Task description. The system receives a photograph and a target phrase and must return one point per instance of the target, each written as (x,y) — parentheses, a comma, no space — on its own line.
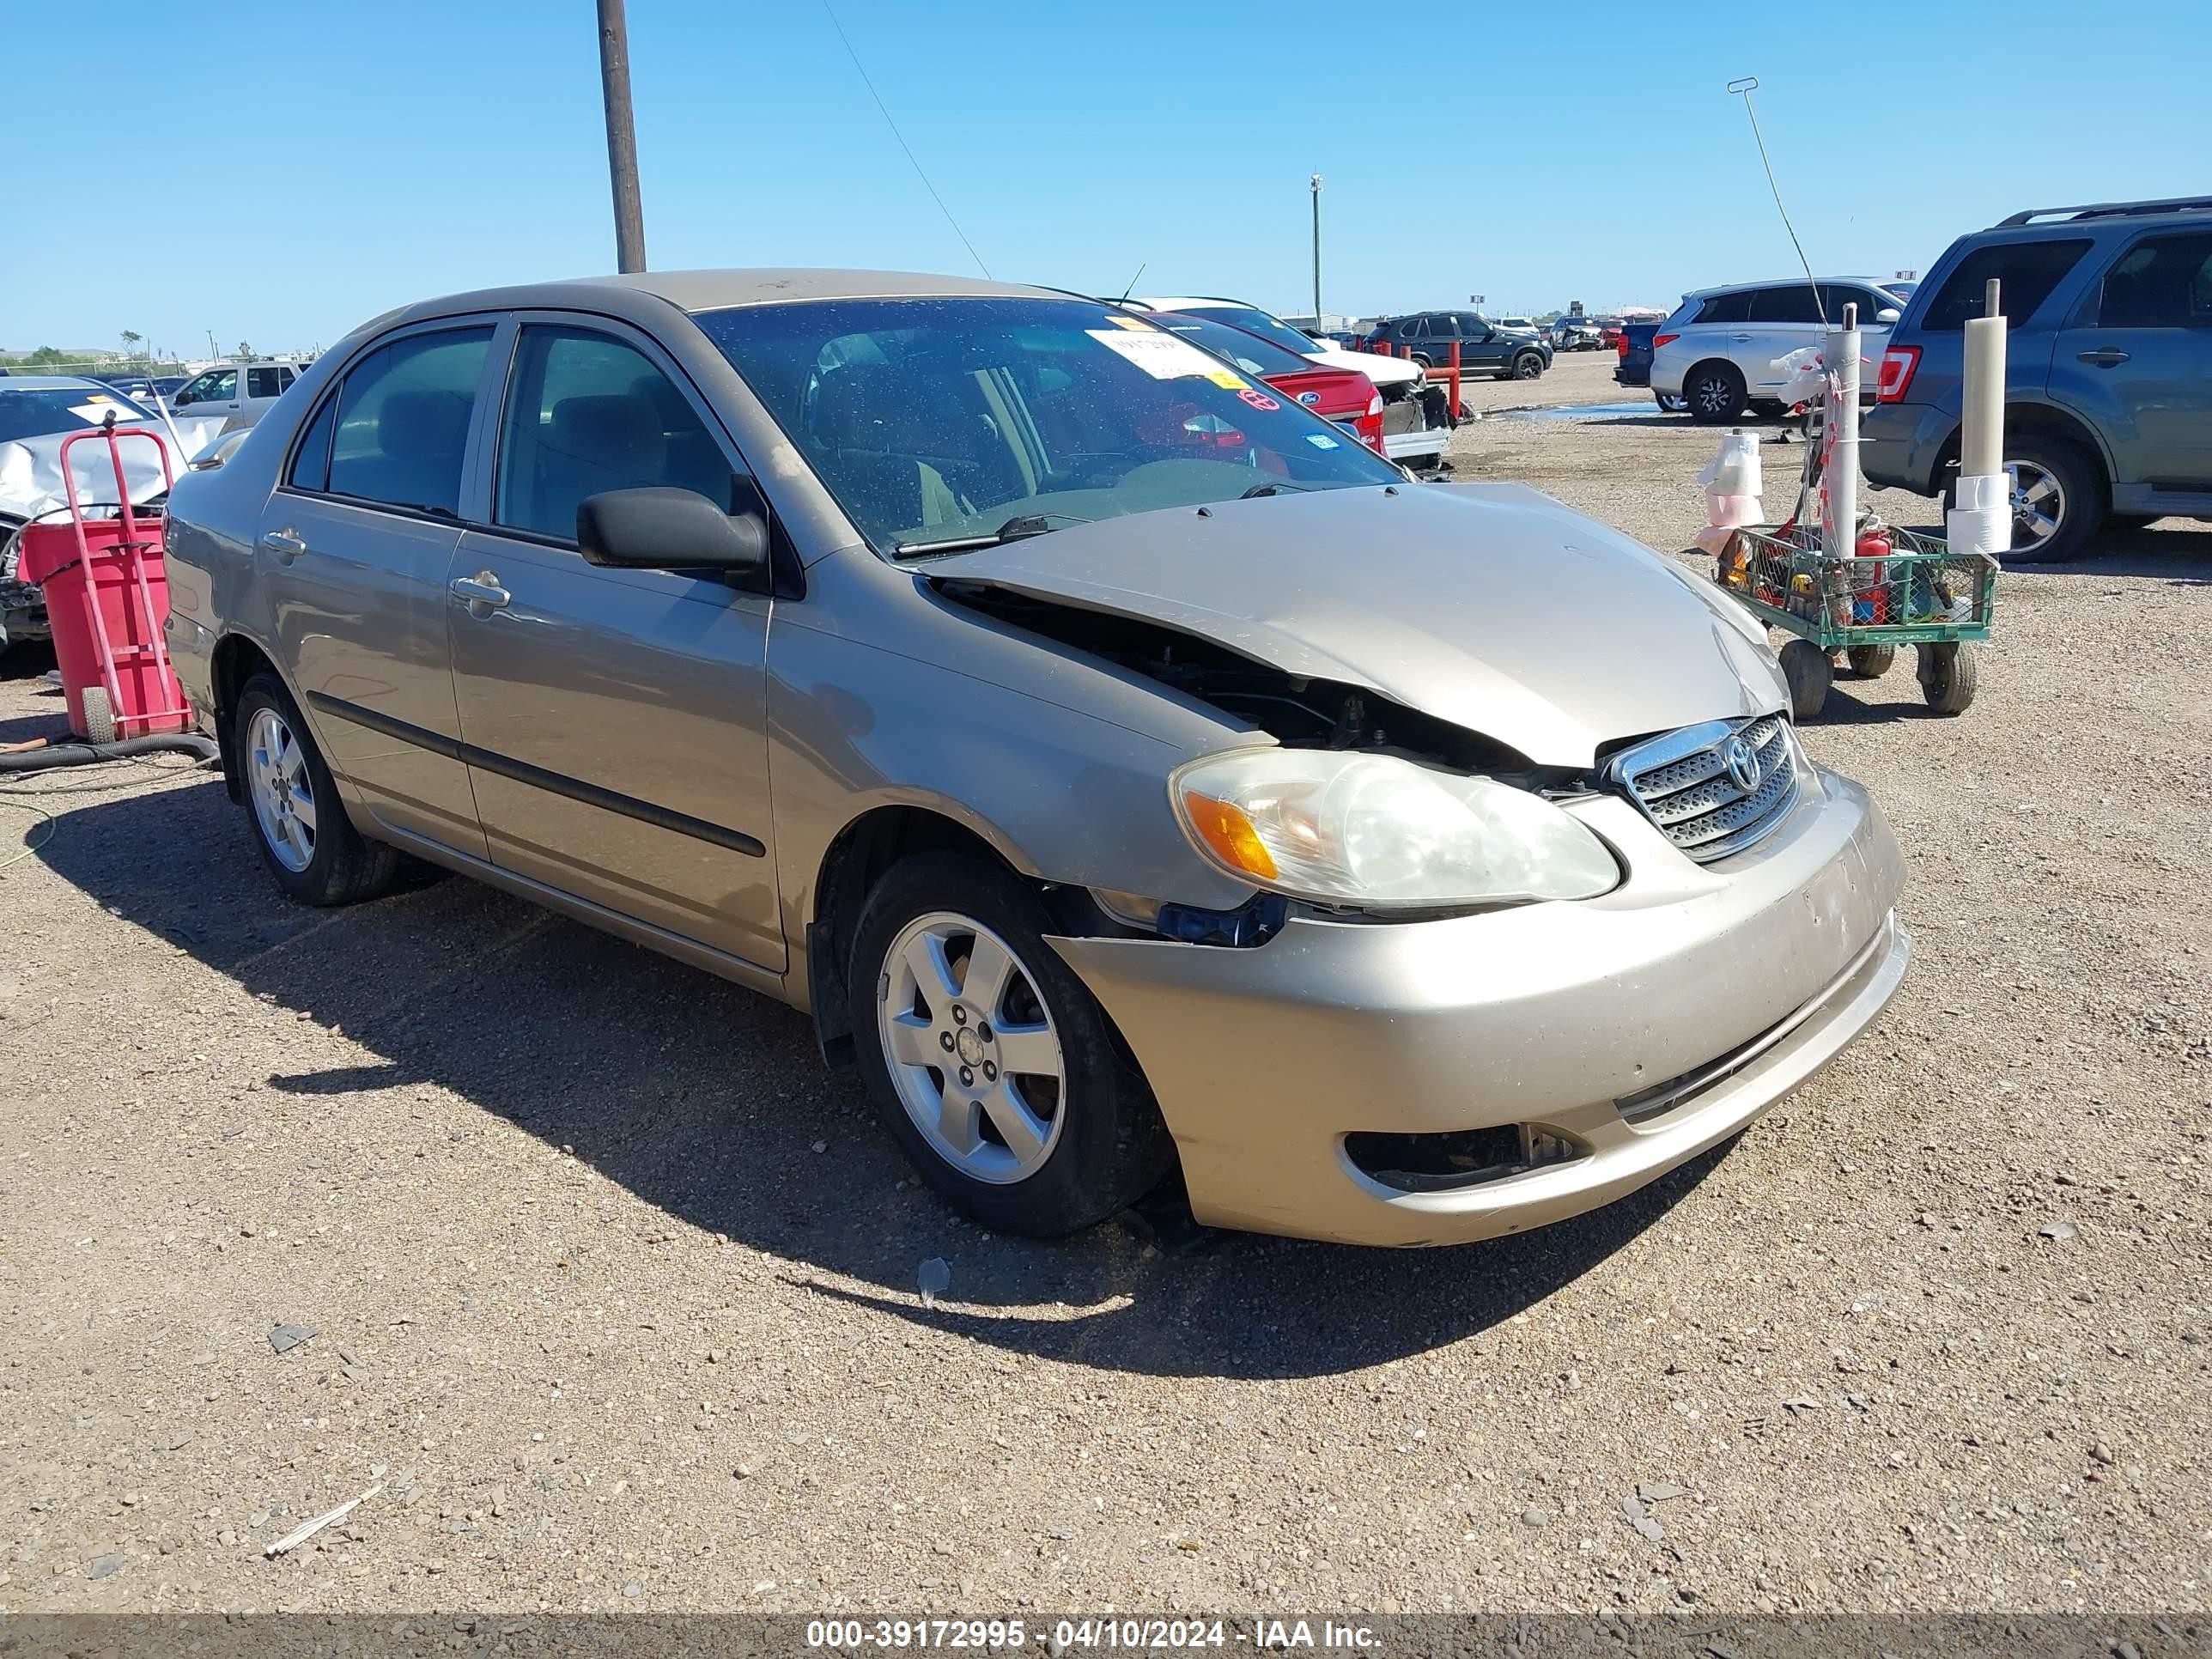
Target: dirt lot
(617,1286)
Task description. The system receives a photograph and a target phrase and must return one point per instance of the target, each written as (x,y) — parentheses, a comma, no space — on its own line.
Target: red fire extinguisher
(1872,605)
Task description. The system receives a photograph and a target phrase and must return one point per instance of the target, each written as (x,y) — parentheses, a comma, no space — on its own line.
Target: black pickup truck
(1634,369)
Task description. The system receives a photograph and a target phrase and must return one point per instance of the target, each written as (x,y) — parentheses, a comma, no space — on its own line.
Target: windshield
(34,411)
(1252,320)
(1247,351)
(939,421)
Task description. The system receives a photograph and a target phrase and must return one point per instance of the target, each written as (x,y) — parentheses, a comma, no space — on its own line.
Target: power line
(903,145)
(1743,89)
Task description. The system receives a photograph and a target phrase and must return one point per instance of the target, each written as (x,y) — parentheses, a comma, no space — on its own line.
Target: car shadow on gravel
(708,1102)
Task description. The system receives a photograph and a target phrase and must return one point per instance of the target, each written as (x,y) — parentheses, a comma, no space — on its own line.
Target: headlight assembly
(1378,833)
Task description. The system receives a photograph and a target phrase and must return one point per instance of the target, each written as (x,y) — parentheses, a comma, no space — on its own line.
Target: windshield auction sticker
(1160,355)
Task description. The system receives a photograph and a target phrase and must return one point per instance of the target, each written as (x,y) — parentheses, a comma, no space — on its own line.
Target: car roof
(1197,303)
(1779,281)
(716,290)
(52,383)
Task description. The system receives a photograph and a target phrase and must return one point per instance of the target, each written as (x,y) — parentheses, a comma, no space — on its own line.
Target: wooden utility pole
(622,137)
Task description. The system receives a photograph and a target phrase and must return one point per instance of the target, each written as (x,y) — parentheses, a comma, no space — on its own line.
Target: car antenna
(1743,89)
(1132,283)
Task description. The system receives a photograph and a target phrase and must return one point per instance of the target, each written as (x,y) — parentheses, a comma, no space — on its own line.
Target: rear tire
(1948,673)
(316,854)
(2058,499)
(1715,392)
(1807,667)
(1871,662)
(1086,1147)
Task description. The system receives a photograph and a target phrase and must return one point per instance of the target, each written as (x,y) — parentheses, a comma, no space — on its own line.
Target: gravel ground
(616,1287)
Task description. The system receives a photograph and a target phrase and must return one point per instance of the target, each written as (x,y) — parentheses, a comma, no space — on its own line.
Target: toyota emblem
(1742,763)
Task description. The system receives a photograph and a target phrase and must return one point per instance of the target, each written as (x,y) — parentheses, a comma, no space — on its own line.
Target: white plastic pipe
(1981,428)
(1840,524)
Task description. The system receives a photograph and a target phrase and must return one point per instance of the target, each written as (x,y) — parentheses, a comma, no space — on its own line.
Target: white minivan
(241,392)
(1722,350)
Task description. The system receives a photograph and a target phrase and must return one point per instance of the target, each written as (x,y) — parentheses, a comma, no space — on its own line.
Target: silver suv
(1122,764)
(1722,352)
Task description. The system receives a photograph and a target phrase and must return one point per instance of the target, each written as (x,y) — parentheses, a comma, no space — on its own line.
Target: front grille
(1685,783)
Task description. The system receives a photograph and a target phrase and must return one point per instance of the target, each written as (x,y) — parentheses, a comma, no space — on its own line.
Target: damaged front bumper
(1608,1041)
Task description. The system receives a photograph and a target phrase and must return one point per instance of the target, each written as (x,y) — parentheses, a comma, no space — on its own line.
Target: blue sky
(318,163)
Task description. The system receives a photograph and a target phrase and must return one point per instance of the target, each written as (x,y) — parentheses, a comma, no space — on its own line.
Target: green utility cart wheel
(1948,674)
(1806,666)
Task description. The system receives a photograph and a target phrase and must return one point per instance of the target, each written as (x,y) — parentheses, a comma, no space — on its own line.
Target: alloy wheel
(282,791)
(2039,503)
(971,1048)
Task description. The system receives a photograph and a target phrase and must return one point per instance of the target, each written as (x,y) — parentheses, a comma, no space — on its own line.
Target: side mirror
(1888,314)
(182,398)
(662,529)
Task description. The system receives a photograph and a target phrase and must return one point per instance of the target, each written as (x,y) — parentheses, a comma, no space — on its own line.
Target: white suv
(1722,350)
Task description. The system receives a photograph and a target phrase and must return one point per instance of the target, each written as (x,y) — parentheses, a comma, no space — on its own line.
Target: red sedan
(1343,395)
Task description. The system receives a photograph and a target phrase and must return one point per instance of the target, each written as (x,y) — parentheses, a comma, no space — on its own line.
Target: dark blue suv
(2108,370)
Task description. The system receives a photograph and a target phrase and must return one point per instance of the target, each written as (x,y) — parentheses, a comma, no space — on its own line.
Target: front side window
(946,421)
(2025,274)
(402,429)
(216,386)
(587,413)
(2162,281)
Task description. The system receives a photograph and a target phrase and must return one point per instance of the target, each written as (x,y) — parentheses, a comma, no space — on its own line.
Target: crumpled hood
(1489,606)
(31,468)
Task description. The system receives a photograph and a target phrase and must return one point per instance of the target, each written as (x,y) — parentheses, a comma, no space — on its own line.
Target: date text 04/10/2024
(1069,1635)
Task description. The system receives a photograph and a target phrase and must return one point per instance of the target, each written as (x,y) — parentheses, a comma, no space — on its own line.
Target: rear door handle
(2103,356)
(285,543)
(483,592)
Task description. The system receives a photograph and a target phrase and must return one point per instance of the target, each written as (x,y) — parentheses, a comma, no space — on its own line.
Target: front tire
(992,1065)
(299,823)
(1527,366)
(1714,394)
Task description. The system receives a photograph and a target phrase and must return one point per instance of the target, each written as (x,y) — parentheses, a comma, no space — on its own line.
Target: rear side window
(311,462)
(587,414)
(403,420)
(1718,308)
(1793,302)
(2028,271)
(2162,281)
(264,382)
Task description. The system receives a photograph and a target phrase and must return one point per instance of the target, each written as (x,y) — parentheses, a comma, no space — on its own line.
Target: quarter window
(588,414)
(2025,272)
(311,463)
(403,420)
(2162,281)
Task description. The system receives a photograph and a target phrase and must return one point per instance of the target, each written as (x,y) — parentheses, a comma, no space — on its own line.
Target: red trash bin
(107,599)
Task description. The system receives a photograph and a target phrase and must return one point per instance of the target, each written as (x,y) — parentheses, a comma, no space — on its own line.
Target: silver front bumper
(1264,1060)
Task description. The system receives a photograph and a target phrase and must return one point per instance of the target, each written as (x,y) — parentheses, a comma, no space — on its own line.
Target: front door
(354,549)
(614,720)
(2138,364)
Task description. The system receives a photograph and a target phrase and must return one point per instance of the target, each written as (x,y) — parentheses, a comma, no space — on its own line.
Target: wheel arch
(856,857)
(237,658)
(2042,420)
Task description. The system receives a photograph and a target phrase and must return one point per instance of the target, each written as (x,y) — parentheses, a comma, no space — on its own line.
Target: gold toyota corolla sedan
(1124,767)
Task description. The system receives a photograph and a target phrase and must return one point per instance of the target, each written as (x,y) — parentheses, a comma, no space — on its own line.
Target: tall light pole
(1316,218)
(622,137)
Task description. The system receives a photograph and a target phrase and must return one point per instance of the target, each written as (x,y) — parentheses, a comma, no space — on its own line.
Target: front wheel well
(863,850)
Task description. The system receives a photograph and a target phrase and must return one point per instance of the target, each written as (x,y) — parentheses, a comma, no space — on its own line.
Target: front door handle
(1740,339)
(2103,356)
(483,592)
(285,543)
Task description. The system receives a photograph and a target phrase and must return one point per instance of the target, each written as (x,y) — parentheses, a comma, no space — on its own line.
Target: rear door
(2137,359)
(1784,318)
(614,719)
(354,549)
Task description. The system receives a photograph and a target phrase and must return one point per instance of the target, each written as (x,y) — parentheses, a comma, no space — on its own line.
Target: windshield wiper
(1275,489)
(1018,528)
